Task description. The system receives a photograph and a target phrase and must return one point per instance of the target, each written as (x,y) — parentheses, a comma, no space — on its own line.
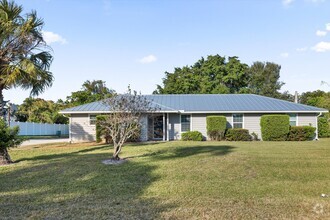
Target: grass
(175,180)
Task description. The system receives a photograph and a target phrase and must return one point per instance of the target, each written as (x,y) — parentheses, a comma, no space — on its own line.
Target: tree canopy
(91,91)
(25,58)
(217,74)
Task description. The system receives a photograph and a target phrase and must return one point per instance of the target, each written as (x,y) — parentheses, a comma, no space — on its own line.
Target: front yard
(175,180)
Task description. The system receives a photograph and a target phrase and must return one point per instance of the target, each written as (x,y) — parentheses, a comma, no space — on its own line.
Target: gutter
(317,126)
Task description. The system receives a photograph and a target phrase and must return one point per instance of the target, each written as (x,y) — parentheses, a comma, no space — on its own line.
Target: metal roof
(193,103)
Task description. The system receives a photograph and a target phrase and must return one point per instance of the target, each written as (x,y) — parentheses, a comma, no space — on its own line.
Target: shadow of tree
(184,151)
(77,185)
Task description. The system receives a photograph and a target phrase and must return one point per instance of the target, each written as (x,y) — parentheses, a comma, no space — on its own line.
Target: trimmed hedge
(323,126)
(301,133)
(238,134)
(275,127)
(216,127)
(192,136)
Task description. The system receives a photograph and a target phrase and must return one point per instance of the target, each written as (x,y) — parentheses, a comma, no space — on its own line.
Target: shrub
(274,127)
(101,133)
(323,126)
(192,136)
(301,133)
(216,127)
(238,134)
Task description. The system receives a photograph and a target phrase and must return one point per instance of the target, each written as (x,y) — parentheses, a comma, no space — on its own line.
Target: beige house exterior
(242,111)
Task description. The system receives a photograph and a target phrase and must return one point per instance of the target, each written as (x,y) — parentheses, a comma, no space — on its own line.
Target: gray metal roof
(209,103)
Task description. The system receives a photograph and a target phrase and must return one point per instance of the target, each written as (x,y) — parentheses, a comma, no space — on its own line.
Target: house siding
(307,119)
(80,129)
(252,123)
(174,127)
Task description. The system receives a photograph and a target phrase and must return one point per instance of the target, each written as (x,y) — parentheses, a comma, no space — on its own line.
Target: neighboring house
(181,113)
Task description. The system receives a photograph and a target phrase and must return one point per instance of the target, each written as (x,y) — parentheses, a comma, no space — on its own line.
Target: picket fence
(30,128)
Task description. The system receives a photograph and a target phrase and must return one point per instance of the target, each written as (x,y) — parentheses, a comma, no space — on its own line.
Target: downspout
(317,127)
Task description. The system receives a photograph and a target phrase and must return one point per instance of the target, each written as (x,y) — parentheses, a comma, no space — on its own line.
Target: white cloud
(322,47)
(302,49)
(284,55)
(148,59)
(287,2)
(321,33)
(327,26)
(51,37)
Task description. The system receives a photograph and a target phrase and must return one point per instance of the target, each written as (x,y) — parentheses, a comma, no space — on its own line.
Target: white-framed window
(237,120)
(185,123)
(293,119)
(92,119)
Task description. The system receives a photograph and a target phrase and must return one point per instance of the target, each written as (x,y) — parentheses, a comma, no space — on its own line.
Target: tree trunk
(4,157)
(116,152)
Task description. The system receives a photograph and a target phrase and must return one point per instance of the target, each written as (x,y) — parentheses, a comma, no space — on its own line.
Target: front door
(158,127)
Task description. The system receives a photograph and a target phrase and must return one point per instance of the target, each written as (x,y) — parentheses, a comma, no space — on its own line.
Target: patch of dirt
(114,162)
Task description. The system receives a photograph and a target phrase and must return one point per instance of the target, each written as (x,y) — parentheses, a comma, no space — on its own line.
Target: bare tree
(124,119)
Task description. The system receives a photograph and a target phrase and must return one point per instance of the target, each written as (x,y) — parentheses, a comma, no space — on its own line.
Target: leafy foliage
(301,133)
(41,111)
(274,127)
(264,79)
(238,134)
(216,127)
(316,98)
(192,136)
(323,126)
(8,138)
(217,74)
(24,56)
(91,91)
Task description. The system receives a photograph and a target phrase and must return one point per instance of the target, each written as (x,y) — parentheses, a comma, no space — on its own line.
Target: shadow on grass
(79,186)
(184,151)
(56,156)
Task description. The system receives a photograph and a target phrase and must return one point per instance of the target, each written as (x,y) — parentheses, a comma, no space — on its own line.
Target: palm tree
(25,58)
(24,55)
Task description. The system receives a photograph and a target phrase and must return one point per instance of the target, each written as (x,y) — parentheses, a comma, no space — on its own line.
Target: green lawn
(175,180)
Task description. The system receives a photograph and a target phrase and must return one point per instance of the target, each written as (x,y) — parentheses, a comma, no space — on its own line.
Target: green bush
(301,133)
(238,134)
(192,136)
(323,126)
(216,127)
(274,127)
(101,133)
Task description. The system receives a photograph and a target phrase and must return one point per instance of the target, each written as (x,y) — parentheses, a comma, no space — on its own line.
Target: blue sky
(135,42)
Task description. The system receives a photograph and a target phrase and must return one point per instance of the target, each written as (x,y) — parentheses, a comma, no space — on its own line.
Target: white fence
(30,128)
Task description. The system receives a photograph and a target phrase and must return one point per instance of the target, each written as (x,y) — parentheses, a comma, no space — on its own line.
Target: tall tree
(24,56)
(91,91)
(264,79)
(216,74)
(316,98)
(41,111)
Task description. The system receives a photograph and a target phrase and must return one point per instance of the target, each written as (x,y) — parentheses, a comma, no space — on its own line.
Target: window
(92,119)
(185,123)
(237,120)
(293,119)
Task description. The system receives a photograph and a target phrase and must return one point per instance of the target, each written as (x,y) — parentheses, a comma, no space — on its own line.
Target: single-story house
(188,112)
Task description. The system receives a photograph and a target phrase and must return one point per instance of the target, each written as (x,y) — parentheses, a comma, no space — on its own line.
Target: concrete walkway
(44,141)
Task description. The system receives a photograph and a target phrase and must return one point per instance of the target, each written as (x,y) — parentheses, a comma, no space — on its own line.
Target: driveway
(44,141)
